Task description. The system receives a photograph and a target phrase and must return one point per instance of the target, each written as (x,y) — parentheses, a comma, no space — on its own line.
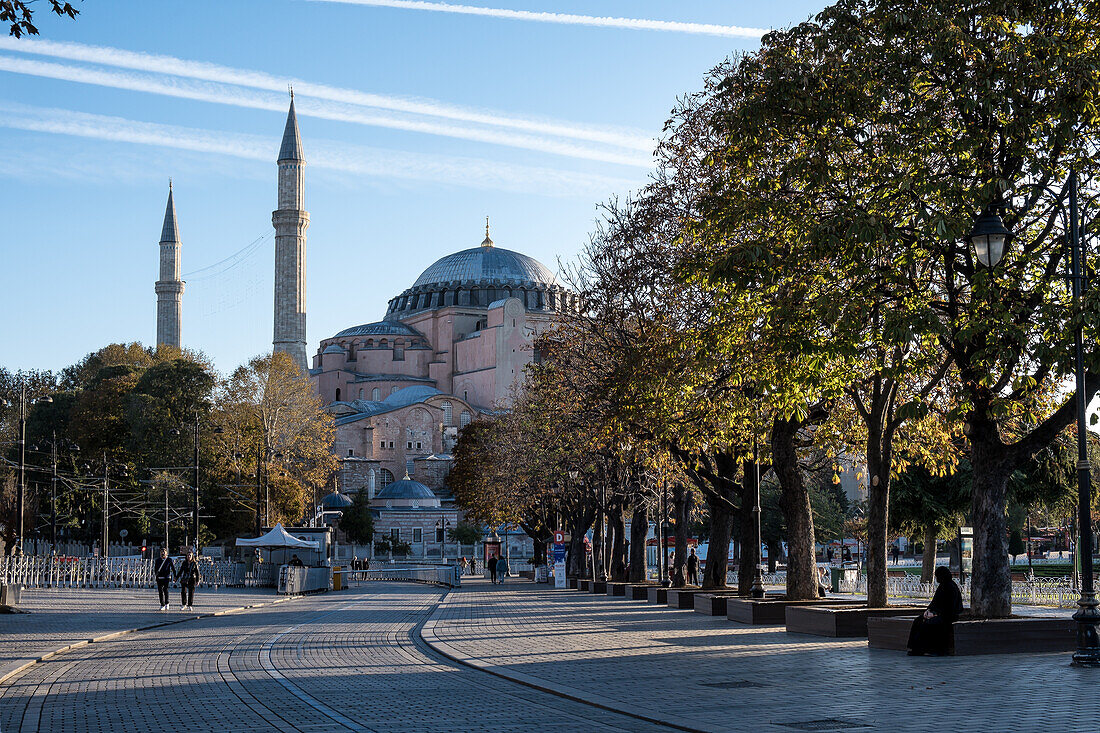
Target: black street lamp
(989,237)
(195,487)
(22,490)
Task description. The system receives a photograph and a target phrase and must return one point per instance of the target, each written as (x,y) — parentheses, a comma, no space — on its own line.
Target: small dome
(406,488)
(334,349)
(336,500)
(410,395)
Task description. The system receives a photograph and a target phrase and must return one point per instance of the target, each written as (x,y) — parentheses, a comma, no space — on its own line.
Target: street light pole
(757,590)
(1087,616)
(53,496)
(22,457)
(195,506)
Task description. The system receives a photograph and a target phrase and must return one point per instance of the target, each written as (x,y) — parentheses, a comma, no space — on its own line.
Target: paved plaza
(518,657)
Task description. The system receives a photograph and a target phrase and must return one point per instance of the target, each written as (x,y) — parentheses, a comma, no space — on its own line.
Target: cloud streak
(329,155)
(628,139)
(637,24)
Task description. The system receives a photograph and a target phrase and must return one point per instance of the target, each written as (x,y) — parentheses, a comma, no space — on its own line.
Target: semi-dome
(406,488)
(381,328)
(486,263)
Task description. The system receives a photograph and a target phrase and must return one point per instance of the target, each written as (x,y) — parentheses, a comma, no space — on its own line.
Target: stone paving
(717,675)
(62,616)
(338,661)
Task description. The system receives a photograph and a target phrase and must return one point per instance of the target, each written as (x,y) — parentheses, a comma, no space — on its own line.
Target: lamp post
(22,490)
(989,238)
(195,485)
(757,590)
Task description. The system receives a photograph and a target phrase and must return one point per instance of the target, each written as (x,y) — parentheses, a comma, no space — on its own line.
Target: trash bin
(337,578)
(834,579)
(540,574)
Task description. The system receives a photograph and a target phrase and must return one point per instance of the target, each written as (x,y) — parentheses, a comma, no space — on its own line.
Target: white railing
(448,575)
(777,578)
(1033,592)
(111,572)
(295,580)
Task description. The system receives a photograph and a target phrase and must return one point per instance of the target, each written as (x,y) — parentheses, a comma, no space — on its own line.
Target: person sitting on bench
(931,633)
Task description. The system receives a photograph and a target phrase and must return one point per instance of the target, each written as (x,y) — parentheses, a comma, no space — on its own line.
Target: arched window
(360,393)
(383,344)
(393,389)
(376,394)
(337,394)
(370,343)
(446,407)
(371,478)
(409,466)
(387,478)
(464,418)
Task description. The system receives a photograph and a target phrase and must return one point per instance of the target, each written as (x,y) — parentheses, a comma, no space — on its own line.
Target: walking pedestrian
(492,565)
(188,577)
(164,570)
(896,553)
(693,568)
(502,569)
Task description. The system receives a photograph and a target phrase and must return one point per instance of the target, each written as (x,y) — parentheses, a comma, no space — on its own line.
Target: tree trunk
(773,556)
(639,529)
(928,559)
(681,503)
(721,527)
(618,543)
(991,585)
(750,551)
(597,547)
(794,499)
(878,520)
(540,551)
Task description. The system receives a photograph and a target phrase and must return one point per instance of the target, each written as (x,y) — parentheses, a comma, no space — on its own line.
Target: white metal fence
(115,572)
(1033,592)
(448,575)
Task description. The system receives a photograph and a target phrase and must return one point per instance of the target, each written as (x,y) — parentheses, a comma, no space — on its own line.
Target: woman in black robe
(931,633)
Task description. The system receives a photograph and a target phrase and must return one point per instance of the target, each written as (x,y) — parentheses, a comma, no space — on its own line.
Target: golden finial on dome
(487,242)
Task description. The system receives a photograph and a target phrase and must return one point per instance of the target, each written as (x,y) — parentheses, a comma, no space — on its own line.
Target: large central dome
(486,263)
(477,277)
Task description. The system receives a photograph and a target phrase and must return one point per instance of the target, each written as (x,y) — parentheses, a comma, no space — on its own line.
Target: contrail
(108,56)
(636,24)
(237,97)
(331,155)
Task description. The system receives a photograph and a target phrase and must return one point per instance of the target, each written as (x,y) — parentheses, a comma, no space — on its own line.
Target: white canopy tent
(279,539)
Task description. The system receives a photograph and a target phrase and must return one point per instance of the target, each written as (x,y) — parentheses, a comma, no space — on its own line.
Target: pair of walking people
(498,568)
(187,574)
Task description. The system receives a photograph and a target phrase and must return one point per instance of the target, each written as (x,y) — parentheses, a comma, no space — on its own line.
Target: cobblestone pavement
(718,675)
(62,616)
(332,662)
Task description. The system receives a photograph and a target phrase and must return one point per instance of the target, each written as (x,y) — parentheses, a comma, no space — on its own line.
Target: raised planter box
(771,611)
(616,589)
(637,591)
(983,636)
(682,598)
(657,594)
(573,582)
(713,603)
(598,586)
(583,584)
(839,620)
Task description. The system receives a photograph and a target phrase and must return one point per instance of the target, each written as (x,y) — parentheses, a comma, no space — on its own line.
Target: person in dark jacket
(492,565)
(188,577)
(693,568)
(931,632)
(164,570)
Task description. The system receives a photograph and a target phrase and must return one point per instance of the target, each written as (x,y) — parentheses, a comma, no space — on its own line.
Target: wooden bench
(983,636)
(682,598)
(616,589)
(713,603)
(583,584)
(598,586)
(657,594)
(772,611)
(840,621)
(638,591)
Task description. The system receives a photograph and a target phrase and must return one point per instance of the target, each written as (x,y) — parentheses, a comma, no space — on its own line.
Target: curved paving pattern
(335,662)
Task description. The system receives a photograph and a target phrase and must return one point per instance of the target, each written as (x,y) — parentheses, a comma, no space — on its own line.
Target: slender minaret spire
(169,288)
(291,221)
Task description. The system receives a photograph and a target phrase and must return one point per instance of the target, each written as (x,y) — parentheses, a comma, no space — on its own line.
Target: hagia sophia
(448,349)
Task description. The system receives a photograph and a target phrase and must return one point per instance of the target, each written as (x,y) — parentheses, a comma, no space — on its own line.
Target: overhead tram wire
(230,262)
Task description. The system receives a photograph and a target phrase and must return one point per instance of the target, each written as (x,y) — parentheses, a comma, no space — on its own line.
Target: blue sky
(416,125)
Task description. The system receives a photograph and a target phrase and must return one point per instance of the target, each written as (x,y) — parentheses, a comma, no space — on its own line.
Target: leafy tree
(390,546)
(357,521)
(20,13)
(466,533)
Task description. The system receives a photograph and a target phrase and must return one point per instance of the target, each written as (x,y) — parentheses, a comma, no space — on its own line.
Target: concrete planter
(771,611)
(657,594)
(598,586)
(983,636)
(583,584)
(713,603)
(616,589)
(839,621)
(637,591)
(682,598)
(573,583)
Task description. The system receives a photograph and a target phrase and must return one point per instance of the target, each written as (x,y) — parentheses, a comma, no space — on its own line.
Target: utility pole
(106,506)
(259,487)
(22,457)
(53,497)
(195,508)
(166,519)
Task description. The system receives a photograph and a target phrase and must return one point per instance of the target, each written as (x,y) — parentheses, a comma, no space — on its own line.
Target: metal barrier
(1034,592)
(111,572)
(446,575)
(294,580)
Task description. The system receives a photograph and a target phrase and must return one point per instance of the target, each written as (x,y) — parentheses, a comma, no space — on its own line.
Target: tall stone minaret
(169,288)
(291,221)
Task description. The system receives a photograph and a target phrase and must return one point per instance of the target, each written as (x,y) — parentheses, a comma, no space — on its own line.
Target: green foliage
(465,533)
(921,499)
(389,546)
(357,522)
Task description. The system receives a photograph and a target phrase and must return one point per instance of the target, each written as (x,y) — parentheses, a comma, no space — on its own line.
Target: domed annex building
(449,349)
